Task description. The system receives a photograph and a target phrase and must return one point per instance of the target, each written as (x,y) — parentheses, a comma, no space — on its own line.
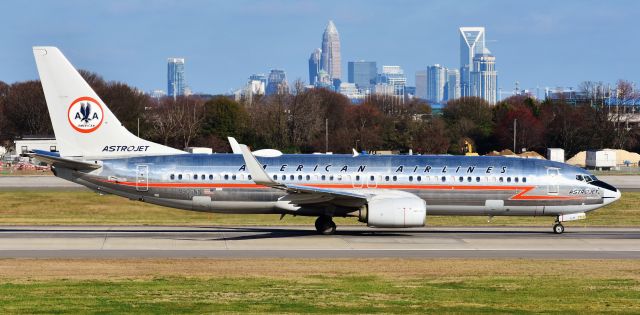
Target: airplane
(396,191)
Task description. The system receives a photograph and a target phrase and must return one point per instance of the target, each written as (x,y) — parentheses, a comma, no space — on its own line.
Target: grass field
(319,286)
(84,207)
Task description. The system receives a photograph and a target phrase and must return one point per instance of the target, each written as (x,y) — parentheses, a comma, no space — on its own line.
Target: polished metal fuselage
(450,185)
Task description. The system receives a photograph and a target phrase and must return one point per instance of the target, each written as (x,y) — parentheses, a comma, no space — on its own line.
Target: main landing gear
(558,228)
(325,225)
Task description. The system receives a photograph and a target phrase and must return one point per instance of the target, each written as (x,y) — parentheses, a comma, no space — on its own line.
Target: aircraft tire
(558,228)
(325,226)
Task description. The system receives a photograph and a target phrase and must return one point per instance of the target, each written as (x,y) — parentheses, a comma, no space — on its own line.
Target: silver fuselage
(450,185)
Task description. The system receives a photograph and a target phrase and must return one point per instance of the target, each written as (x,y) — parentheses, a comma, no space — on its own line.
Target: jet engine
(394,211)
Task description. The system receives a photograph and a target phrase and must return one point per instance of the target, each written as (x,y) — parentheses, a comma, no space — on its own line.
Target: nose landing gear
(325,225)
(558,228)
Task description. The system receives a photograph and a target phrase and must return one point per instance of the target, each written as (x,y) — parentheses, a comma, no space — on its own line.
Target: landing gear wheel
(325,226)
(558,228)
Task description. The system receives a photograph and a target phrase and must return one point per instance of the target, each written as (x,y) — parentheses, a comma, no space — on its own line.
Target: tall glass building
(393,76)
(452,87)
(277,83)
(330,57)
(471,42)
(362,73)
(314,66)
(436,80)
(176,84)
(421,84)
(484,77)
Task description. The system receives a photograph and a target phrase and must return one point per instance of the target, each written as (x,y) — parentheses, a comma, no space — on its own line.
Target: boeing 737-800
(96,151)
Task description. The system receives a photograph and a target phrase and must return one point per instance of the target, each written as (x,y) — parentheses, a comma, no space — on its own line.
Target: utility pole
(515,126)
(326,135)
(138,127)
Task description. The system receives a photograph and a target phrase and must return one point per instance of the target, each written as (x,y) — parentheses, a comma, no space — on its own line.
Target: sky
(542,43)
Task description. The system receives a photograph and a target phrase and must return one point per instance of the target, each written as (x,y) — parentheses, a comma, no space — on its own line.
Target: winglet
(235,146)
(355,153)
(258,174)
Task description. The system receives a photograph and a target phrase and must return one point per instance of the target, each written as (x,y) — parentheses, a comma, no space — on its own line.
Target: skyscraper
(362,73)
(471,42)
(421,84)
(436,79)
(393,76)
(314,66)
(452,88)
(330,56)
(484,77)
(277,83)
(175,77)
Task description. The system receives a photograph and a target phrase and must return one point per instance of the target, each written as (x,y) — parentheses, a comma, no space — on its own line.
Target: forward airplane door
(552,186)
(142,177)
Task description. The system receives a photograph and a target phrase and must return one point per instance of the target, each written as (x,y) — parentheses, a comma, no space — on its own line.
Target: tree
(469,117)
(530,130)
(430,137)
(223,117)
(26,110)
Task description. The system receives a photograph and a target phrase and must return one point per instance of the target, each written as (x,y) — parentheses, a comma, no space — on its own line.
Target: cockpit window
(579,177)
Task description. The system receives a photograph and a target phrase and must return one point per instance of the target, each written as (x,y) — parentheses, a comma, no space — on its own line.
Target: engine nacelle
(394,212)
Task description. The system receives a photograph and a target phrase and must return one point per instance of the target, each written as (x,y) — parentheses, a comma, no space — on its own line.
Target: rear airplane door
(142,177)
(552,186)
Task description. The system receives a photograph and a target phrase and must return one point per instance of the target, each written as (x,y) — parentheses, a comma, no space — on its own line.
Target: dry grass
(388,268)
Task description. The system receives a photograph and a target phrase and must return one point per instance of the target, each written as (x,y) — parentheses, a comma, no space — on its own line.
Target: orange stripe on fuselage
(519,196)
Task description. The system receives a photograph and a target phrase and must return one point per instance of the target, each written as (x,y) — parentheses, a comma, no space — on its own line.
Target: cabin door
(554,175)
(142,177)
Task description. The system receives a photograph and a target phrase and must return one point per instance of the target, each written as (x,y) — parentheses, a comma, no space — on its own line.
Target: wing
(301,194)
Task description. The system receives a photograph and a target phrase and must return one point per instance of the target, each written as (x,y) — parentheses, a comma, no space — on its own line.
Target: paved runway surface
(302,241)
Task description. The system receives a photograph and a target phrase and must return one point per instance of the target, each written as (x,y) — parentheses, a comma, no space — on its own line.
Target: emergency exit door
(142,177)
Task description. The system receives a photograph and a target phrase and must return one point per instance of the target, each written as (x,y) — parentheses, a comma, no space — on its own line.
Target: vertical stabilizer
(83,124)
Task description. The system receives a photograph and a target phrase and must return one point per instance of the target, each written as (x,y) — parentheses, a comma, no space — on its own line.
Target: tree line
(298,122)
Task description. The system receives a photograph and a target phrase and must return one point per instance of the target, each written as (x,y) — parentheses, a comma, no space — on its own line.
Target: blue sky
(538,43)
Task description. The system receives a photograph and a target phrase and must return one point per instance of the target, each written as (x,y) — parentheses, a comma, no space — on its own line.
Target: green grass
(326,294)
(84,207)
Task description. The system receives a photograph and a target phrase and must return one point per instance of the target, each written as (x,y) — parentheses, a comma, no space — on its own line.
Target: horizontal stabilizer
(66,163)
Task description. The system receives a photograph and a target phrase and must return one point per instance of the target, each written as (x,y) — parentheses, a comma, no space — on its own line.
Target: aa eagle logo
(85,114)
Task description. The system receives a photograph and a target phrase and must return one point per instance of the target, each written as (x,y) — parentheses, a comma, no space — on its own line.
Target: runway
(303,242)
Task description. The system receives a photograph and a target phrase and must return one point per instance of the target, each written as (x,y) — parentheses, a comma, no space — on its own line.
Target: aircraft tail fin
(83,124)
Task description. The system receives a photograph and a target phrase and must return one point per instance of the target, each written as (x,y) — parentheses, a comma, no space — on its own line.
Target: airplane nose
(610,196)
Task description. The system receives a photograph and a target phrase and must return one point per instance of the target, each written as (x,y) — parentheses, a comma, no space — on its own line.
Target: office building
(259,77)
(330,56)
(277,83)
(362,73)
(421,84)
(314,66)
(471,42)
(484,77)
(436,79)
(176,84)
(393,76)
(452,87)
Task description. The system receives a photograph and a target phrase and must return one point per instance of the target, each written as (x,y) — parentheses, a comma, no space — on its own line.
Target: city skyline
(539,45)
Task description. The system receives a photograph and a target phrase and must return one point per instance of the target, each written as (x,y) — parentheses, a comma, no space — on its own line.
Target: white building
(452,88)
(484,77)
(421,84)
(27,144)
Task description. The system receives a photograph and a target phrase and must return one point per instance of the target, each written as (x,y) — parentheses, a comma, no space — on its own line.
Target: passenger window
(249,176)
(469,179)
(386,178)
(501,179)
(410,178)
(508,179)
(524,179)
(284,177)
(172,177)
(515,179)
(395,178)
(299,177)
(461,179)
(210,177)
(419,178)
(291,177)
(308,177)
(195,176)
(444,179)
(324,177)
(372,178)
(275,177)
(202,177)
(331,178)
(233,177)
(357,177)
(226,176)
(478,179)
(180,176)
